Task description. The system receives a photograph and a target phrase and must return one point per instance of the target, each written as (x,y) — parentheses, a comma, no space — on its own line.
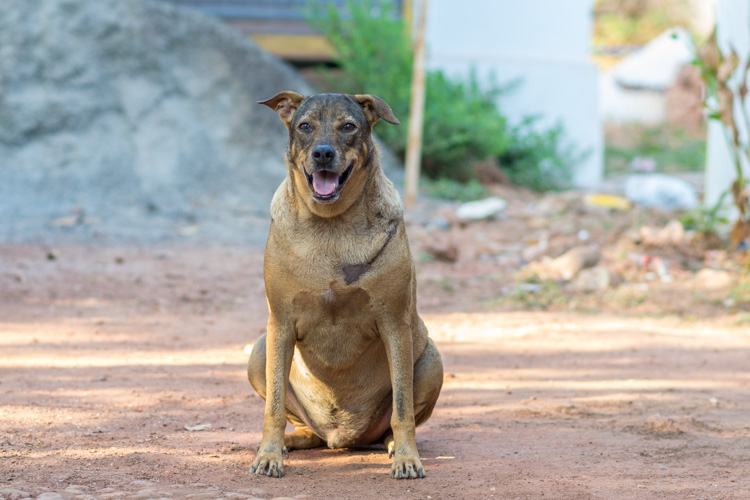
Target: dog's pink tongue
(325,182)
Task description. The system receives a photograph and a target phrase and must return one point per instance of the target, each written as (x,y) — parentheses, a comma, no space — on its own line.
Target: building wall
(542,44)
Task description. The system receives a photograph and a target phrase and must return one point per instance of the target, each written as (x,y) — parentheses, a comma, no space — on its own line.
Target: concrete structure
(542,44)
(733,29)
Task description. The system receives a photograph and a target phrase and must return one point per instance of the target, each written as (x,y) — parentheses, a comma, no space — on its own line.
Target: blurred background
(612,128)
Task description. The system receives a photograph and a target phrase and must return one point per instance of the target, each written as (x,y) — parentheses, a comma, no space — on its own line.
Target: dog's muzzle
(326,184)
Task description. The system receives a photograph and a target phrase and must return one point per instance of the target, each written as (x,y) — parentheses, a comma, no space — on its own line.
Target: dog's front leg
(279,350)
(399,349)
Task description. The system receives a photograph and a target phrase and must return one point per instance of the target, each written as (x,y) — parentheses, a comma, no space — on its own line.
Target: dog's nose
(323,154)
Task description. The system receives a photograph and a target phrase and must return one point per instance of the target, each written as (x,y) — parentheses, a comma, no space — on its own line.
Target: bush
(462,122)
(448,189)
(539,160)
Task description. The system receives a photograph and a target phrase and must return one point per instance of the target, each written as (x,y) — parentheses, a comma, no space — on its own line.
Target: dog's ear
(376,108)
(286,103)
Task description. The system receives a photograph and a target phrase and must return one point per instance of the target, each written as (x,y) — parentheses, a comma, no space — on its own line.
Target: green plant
(706,220)
(671,148)
(541,295)
(637,22)
(722,90)
(449,189)
(539,160)
(462,123)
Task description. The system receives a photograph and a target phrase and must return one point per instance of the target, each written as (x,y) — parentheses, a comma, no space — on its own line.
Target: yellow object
(296,47)
(608,201)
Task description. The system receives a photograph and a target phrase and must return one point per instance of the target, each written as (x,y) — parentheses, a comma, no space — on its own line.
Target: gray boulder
(137,117)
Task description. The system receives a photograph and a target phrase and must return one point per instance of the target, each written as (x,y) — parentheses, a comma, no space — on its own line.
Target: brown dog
(346,358)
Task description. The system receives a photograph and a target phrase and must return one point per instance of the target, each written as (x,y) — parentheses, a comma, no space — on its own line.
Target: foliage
(449,189)
(706,220)
(462,122)
(533,294)
(671,148)
(539,160)
(722,91)
(636,22)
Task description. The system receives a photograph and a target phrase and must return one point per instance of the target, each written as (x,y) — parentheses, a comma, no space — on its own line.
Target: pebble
(481,209)
(568,265)
(713,278)
(592,280)
(140,490)
(11,494)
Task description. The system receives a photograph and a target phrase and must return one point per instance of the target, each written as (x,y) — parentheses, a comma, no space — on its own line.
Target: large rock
(138,114)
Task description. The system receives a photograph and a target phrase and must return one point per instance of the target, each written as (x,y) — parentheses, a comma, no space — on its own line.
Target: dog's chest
(337,322)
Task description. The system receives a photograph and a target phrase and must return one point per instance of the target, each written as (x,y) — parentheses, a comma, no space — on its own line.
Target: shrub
(540,160)
(462,122)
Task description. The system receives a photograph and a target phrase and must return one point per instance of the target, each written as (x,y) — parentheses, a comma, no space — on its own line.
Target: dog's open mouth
(326,184)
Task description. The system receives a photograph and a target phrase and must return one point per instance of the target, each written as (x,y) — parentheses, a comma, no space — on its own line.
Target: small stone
(50,495)
(198,428)
(113,495)
(671,234)
(442,248)
(713,278)
(481,209)
(573,261)
(592,280)
(12,494)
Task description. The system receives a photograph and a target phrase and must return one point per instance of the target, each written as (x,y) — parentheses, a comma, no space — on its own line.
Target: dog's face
(330,145)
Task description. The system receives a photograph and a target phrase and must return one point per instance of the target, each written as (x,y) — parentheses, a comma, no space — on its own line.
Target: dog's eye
(304,126)
(348,127)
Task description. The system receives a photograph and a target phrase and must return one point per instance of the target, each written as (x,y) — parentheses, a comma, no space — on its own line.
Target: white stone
(481,209)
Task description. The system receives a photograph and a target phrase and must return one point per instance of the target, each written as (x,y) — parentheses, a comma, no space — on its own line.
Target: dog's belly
(340,417)
(340,377)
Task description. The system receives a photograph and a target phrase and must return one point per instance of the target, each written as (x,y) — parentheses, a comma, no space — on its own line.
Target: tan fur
(346,358)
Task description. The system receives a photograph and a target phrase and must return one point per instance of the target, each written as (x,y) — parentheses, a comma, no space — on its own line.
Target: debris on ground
(481,209)
(572,249)
(198,428)
(660,191)
(568,265)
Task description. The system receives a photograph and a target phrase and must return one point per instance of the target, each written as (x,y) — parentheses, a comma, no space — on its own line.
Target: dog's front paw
(407,468)
(269,462)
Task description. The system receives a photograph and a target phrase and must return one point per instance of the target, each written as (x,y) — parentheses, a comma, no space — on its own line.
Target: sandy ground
(109,353)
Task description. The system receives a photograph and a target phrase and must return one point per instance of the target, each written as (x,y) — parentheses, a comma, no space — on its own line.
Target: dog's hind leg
(303,438)
(428,380)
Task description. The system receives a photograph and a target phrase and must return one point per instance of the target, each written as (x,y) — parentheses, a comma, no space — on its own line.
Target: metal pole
(416,111)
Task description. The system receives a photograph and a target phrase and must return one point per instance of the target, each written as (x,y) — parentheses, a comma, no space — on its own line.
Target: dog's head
(330,144)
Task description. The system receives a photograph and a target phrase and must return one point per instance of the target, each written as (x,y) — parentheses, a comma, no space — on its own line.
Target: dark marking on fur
(369,158)
(400,406)
(353,273)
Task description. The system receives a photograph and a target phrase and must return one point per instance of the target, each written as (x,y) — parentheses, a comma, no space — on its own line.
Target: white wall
(544,43)
(733,29)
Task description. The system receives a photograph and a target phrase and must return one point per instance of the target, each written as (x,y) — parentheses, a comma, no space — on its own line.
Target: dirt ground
(110,353)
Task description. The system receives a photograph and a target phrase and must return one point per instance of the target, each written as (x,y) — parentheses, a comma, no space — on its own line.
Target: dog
(346,358)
